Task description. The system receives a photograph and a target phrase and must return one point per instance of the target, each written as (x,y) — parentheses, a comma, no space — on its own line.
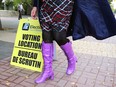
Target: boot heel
(52,77)
(76,59)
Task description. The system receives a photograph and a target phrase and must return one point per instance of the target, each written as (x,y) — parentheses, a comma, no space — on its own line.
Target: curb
(7,13)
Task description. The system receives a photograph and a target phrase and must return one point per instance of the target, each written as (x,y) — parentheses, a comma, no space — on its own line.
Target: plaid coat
(91,18)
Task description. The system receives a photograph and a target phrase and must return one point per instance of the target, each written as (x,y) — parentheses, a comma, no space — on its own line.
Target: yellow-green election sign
(27,48)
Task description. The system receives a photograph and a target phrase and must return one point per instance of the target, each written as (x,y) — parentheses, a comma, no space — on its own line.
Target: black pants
(20,15)
(59,37)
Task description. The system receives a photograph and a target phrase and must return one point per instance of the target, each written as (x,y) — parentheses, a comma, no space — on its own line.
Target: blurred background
(27,4)
(12,5)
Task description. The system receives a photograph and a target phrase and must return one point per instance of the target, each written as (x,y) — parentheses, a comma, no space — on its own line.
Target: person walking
(20,10)
(76,18)
(54,18)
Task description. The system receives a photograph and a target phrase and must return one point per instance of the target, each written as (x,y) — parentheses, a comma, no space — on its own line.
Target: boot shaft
(47,52)
(67,48)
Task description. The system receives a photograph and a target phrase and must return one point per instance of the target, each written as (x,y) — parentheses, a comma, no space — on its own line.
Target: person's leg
(19,15)
(66,46)
(72,59)
(47,52)
(60,25)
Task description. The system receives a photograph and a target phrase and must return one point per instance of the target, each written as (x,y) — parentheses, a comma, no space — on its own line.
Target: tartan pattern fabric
(55,14)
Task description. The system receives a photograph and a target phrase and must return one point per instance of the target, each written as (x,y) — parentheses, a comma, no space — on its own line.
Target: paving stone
(3,77)
(2,85)
(26,84)
(100,86)
(8,83)
(13,78)
(52,82)
(19,86)
(30,80)
(100,78)
(81,85)
(19,80)
(61,83)
(90,82)
(41,85)
(7,74)
(82,80)
(59,75)
(49,85)
(89,75)
(71,84)
(34,75)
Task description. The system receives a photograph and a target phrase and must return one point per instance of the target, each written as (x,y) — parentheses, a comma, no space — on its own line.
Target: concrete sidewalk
(9,23)
(96,65)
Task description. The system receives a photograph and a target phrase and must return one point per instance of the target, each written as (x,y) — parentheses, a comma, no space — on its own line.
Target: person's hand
(34,12)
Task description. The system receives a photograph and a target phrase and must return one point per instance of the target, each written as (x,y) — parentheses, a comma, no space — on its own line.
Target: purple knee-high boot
(47,51)
(72,59)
